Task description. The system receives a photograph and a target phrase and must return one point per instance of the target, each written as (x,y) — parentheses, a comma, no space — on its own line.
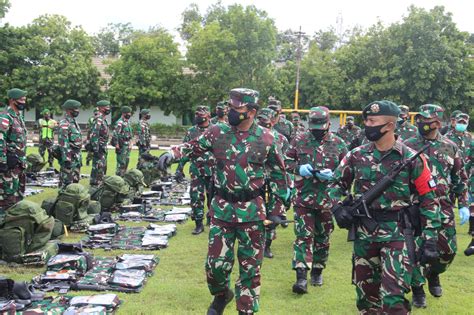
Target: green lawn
(179,284)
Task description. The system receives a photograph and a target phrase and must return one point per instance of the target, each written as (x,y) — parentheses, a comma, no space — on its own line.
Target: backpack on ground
(112,193)
(35,163)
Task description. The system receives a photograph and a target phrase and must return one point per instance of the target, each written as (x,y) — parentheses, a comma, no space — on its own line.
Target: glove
(429,254)
(12,160)
(164,161)
(3,167)
(464,214)
(179,176)
(305,170)
(325,174)
(343,216)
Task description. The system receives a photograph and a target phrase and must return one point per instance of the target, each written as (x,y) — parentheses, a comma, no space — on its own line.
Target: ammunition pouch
(242,196)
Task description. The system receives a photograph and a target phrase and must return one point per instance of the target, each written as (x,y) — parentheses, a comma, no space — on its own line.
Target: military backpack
(113,192)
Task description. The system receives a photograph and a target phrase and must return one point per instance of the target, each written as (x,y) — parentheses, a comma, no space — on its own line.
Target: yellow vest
(47,128)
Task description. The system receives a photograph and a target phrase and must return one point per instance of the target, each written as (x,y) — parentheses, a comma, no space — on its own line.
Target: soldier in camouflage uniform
(201,169)
(121,140)
(283,126)
(243,151)
(90,123)
(221,114)
(381,267)
(143,134)
(12,149)
(99,138)
(46,127)
(452,123)
(312,157)
(297,124)
(405,129)
(447,167)
(349,132)
(70,144)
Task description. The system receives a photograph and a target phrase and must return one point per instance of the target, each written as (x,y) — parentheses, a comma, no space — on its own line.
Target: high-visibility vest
(47,128)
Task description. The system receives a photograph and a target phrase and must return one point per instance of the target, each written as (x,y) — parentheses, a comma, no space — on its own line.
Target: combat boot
(267,252)
(316,277)
(301,285)
(285,224)
(419,297)
(199,228)
(470,249)
(6,289)
(434,285)
(220,302)
(243,313)
(24,291)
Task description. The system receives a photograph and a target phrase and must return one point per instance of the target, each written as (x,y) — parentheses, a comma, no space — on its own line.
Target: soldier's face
(372,121)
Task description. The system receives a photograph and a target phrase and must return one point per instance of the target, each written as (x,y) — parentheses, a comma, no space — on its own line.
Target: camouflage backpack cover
(135,179)
(35,163)
(26,228)
(113,192)
(148,166)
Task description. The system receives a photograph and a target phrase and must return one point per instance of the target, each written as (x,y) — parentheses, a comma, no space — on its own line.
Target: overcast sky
(310,15)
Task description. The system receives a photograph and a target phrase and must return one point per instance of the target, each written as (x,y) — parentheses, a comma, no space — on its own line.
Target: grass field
(179,284)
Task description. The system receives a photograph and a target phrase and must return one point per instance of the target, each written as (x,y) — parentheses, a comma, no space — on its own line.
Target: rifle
(359,207)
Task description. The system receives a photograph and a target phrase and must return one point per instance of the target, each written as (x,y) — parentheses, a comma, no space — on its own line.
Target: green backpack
(26,228)
(35,163)
(113,192)
(135,179)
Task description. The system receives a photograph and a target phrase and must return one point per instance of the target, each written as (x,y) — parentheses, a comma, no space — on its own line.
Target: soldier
(299,126)
(349,132)
(312,157)
(452,123)
(121,140)
(46,127)
(221,113)
(381,267)
(70,144)
(201,169)
(144,135)
(12,150)
(405,129)
(243,150)
(283,126)
(90,122)
(445,161)
(99,138)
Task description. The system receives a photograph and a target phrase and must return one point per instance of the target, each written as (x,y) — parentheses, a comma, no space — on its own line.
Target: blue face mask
(461,127)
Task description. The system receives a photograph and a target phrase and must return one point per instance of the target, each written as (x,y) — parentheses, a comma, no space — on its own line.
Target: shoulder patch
(4,123)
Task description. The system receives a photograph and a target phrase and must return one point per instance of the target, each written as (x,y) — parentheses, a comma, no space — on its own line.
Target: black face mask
(127,116)
(424,128)
(235,118)
(373,133)
(20,106)
(75,113)
(200,120)
(220,113)
(106,112)
(318,134)
(264,124)
(147,117)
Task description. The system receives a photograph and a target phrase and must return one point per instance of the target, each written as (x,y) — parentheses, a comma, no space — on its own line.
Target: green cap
(134,177)
(266,114)
(221,105)
(430,111)
(404,110)
(15,94)
(71,104)
(462,117)
(103,103)
(145,111)
(455,113)
(126,110)
(318,118)
(381,108)
(45,111)
(202,110)
(241,97)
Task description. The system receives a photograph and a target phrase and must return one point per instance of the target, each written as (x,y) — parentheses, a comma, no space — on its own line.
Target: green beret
(462,117)
(430,111)
(126,110)
(71,104)
(266,114)
(241,97)
(145,111)
(103,103)
(381,108)
(318,118)
(45,111)
(202,109)
(455,113)
(15,94)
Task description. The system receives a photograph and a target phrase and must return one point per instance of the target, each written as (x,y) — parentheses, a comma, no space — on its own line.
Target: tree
(287,45)
(192,21)
(110,38)
(326,40)
(4,7)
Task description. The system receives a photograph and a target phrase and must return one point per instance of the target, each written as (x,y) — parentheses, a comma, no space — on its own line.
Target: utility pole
(298,62)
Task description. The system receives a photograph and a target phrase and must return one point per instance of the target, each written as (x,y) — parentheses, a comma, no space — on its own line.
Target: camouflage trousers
(220,260)
(270,232)
(382,276)
(200,191)
(72,175)
(46,145)
(143,149)
(99,169)
(12,187)
(123,158)
(312,230)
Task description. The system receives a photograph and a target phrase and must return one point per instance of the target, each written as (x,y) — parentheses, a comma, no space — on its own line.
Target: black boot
(470,249)
(434,285)
(24,291)
(243,313)
(267,252)
(199,228)
(6,289)
(301,285)
(316,277)
(284,225)
(419,297)
(220,302)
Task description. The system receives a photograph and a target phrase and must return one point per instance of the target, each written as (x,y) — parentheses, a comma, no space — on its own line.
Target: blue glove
(464,214)
(305,170)
(325,174)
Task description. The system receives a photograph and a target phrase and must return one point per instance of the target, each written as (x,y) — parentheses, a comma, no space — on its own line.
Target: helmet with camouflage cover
(117,184)
(430,111)
(134,178)
(318,118)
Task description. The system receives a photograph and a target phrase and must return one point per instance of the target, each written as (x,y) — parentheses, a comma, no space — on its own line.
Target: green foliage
(4,7)
(110,38)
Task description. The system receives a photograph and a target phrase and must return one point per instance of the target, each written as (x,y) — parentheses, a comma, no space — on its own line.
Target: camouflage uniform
(70,145)
(99,138)
(121,140)
(238,207)
(12,142)
(144,135)
(90,124)
(220,109)
(381,267)
(46,131)
(405,129)
(285,127)
(313,219)
(349,134)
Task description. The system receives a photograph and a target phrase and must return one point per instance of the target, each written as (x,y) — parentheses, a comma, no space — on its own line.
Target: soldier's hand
(429,253)
(343,216)
(306,170)
(464,214)
(12,160)
(164,161)
(3,167)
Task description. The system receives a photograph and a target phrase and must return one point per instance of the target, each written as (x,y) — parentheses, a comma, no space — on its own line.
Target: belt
(385,216)
(242,196)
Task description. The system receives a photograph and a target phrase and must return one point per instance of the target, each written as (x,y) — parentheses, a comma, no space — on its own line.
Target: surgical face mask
(374,133)
(319,134)
(74,113)
(461,127)
(200,120)
(424,127)
(235,118)
(20,106)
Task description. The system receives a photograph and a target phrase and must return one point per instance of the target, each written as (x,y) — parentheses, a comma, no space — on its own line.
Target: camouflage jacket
(99,134)
(215,120)
(285,127)
(143,134)
(12,135)
(463,141)
(90,124)
(200,165)
(406,131)
(242,158)
(365,165)
(447,168)
(69,138)
(327,153)
(122,133)
(348,135)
